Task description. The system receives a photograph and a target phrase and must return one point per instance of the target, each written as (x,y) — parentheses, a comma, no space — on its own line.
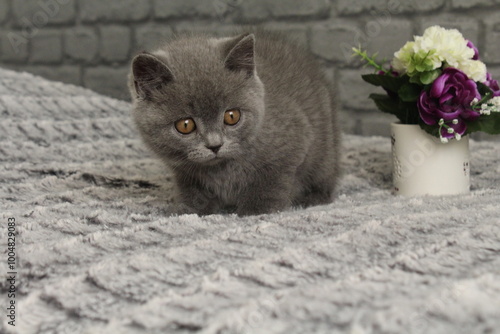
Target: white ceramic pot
(422,165)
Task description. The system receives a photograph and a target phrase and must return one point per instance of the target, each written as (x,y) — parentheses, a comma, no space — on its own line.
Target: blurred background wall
(91,42)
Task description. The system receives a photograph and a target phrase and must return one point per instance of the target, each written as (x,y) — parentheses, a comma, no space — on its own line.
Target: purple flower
(473,47)
(492,84)
(449,98)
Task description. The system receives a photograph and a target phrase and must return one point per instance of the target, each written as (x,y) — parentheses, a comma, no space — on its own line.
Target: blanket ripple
(99,252)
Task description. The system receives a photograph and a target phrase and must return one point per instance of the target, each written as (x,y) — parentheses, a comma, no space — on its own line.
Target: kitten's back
(293,77)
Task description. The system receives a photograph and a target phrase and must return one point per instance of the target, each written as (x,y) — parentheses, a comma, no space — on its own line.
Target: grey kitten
(246,123)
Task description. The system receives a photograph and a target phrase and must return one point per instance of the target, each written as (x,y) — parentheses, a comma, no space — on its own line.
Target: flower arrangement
(438,82)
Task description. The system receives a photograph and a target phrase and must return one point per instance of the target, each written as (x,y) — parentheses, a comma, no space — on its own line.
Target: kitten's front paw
(198,201)
(181,209)
(259,207)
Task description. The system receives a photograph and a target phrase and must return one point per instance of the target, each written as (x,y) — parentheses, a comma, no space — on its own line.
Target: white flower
(403,57)
(493,105)
(495,101)
(438,46)
(474,69)
(449,44)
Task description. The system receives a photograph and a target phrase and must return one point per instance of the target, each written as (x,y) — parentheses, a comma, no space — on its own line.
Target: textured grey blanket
(98,251)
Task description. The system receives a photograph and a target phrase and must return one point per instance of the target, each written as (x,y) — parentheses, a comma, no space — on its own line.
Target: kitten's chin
(215,161)
(209,161)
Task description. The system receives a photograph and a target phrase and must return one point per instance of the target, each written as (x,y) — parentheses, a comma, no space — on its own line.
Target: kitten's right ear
(240,54)
(150,74)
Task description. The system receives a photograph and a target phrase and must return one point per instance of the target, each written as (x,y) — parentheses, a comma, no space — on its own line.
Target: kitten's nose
(214,148)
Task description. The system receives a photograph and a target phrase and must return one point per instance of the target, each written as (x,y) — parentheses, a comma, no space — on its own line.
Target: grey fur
(283,152)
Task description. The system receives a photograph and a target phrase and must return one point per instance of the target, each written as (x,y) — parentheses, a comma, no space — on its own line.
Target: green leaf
(486,123)
(408,113)
(433,130)
(425,78)
(485,92)
(416,80)
(409,92)
(372,61)
(386,104)
(386,81)
(428,77)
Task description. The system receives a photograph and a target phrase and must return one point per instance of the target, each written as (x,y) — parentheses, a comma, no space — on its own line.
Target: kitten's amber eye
(185,126)
(231,117)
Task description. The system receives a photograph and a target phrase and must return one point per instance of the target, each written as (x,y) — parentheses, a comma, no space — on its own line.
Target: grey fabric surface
(100,253)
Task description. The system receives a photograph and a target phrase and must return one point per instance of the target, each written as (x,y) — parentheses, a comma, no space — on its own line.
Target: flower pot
(422,165)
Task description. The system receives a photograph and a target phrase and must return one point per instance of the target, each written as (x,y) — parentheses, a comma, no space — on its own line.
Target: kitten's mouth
(208,161)
(215,160)
(211,159)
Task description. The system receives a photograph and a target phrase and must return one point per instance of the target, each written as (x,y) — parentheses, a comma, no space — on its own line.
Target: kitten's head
(198,100)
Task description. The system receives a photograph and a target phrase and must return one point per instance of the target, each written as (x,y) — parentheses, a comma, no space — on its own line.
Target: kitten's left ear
(150,74)
(241,56)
